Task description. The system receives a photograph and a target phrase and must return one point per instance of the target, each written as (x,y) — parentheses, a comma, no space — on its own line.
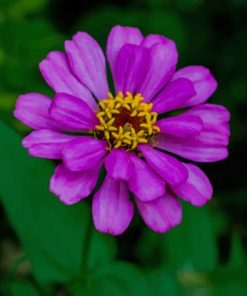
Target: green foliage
(52,234)
(187,246)
(121,278)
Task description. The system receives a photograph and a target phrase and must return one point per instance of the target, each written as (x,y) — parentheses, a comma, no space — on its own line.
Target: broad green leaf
(20,8)
(164,282)
(52,234)
(102,250)
(192,244)
(237,254)
(230,281)
(23,288)
(119,278)
(23,45)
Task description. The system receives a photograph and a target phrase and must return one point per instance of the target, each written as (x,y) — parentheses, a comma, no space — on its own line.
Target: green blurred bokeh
(50,249)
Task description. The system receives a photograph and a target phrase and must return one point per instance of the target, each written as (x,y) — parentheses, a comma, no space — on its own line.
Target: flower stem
(86,248)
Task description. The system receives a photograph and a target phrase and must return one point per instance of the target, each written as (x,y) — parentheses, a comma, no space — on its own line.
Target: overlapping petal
(71,187)
(119,165)
(46,143)
(170,169)
(182,125)
(194,148)
(203,82)
(161,214)
(197,189)
(72,114)
(112,209)
(87,62)
(157,76)
(131,67)
(212,115)
(83,153)
(33,110)
(145,183)
(175,94)
(58,75)
(118,37)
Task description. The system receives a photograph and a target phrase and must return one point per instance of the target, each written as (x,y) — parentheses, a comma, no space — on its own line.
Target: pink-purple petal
(33,110)
(212,115)
(203,81)
(131,66)
(174,95)
(181,125)
(118,165)
(46,143)
(83,153)
(161,67)
(168,167)
(112,209)
(193,149)
(57,73)
(153,39)
(72,114)
(118,37)
(197,189)
(161,214)
(87,62)
(71,187)
(145,184)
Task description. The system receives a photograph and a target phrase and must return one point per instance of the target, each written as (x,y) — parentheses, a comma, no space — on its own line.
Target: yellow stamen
(136,126)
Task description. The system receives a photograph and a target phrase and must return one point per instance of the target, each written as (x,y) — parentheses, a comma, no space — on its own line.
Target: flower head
(132,131)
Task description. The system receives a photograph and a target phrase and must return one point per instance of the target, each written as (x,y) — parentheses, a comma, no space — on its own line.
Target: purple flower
(132,132)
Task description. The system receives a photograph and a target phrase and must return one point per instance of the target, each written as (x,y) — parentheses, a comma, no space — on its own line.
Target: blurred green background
(47,248)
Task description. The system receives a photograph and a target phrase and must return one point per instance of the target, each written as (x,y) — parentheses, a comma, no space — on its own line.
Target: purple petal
(162,65)
(181,125)
(144,183)
(170,169)
(161,214)
(131,66)
(57,73)
(118,37)
(112,209)
(203,81)
(72,114)
(33,110)
(193,148)
(118,165)
(211,136)
(46,143)
(72,187)
(87,62)
(212,115)
(174,95)
(197,189)
(153,39)
(83,153)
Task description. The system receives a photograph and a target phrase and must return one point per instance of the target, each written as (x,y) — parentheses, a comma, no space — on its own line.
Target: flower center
(125,121)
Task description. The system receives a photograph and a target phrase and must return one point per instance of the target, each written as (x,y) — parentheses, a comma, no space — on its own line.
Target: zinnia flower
(133,131)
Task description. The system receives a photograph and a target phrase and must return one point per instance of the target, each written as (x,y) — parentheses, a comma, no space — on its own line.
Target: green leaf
(52,234)
(119,278)
(163,282)
(102,250)
(20,8)
(23,45)
(192,244)
(237,254)
(23,288)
